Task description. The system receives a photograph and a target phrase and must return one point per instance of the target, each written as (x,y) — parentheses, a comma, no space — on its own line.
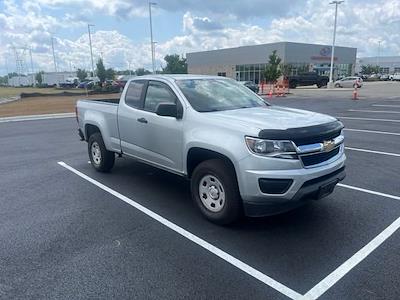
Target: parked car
(307,79)
(86,84)
(241,154)
(348,82)
(395,77)
(384,77)
(251,85)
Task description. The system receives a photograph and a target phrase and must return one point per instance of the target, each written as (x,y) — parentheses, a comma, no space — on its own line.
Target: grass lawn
(12,91)
(45,105)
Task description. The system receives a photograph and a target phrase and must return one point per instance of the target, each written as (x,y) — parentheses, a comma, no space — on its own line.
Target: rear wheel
(101,159)
(337,85)
(215,191)
(321,84)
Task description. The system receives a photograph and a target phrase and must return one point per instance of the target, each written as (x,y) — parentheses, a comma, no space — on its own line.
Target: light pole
(330,85)
(90,44)
(151,37)
(33,72)
(378,57)
(54,55)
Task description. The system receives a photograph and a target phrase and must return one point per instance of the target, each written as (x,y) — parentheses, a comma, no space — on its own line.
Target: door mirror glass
(167,110)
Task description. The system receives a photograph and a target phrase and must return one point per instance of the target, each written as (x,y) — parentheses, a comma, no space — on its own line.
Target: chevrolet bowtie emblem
(328,145)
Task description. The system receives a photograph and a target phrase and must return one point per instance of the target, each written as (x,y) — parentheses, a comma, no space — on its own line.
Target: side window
(158,92)
(134,94)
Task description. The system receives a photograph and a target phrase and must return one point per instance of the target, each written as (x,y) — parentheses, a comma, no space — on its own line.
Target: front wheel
(101,159)
(215,191)
(337,85)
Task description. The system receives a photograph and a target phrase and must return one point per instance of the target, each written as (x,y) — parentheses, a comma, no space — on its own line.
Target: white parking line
(369,119)
(36,117)
(372,131)
(386,105)
(353,261)
(325,284)
(195,239)
(375,111)
(373,151)
(368,191)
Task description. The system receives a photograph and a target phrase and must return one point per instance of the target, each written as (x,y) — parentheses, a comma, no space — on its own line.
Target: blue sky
(121,34)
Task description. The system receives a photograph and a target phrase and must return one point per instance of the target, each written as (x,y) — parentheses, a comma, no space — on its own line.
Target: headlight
(274,148)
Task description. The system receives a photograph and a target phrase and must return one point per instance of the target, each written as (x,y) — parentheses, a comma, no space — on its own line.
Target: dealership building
(387,64)
(247,63)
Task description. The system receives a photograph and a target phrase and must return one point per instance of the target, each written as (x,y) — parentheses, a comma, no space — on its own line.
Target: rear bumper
(310,190)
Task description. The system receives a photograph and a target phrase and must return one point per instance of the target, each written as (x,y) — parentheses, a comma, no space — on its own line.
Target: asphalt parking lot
(68,232)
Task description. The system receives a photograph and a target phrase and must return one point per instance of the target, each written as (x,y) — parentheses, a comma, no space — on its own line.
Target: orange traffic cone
(270,93)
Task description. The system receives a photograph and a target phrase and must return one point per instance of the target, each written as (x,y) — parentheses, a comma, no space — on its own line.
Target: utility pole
(54,55)
(91,50)
(33,72)
(151,37)
(330,85)
(378,57)
(8,73)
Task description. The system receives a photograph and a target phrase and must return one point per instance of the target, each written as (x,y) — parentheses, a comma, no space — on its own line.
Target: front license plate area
(326,189)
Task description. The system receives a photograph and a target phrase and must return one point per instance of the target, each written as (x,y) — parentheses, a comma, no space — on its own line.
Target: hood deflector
(305,135)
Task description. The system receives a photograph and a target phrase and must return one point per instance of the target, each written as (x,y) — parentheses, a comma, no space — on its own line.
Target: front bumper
(305,184)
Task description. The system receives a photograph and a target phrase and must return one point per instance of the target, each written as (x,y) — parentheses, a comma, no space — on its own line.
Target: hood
(271,117)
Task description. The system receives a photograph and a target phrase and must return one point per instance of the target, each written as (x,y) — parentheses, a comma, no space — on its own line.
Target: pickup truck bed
(91,109)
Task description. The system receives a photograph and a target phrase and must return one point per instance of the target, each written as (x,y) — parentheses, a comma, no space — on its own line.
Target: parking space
(65,233)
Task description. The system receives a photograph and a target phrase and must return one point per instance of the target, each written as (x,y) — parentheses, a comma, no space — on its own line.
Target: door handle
(142,120)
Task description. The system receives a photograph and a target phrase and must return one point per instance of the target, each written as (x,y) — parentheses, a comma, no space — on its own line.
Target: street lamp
(90,43)
(54,55)
(379,54)
(330,85)
(151,37)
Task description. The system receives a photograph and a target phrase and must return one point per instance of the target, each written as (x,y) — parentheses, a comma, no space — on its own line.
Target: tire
(219,185)
(101,159)
(293,84)
(337,85)
(321,84)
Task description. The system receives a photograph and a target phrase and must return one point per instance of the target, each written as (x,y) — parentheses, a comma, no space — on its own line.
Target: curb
(36,117)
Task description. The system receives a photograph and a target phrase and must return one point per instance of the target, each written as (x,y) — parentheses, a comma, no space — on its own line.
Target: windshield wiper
(209,110)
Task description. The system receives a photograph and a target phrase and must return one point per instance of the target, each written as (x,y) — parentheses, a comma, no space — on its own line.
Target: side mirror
(167,110)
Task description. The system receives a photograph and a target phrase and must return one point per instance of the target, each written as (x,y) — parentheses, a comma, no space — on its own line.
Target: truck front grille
(314,159)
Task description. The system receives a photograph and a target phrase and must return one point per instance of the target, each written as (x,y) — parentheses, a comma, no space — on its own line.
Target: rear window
(133,95)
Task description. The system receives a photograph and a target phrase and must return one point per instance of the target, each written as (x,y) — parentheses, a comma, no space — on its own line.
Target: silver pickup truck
(242,155)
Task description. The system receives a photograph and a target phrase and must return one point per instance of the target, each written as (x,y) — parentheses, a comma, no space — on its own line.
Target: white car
(349,82)
(395,77)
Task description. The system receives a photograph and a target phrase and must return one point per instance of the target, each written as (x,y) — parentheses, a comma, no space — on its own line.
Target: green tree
(286,69)
(175,64)
(142,71)
(39,77)
(273,71)
(369,69)
(101,70)
(81,74)
(110,73)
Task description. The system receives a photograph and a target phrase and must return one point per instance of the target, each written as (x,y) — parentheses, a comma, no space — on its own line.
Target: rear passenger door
(129,113)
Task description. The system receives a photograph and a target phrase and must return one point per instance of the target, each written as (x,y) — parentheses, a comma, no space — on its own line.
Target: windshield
(206,95)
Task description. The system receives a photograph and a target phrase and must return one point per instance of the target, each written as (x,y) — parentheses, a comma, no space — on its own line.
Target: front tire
(215,191)
(101,159)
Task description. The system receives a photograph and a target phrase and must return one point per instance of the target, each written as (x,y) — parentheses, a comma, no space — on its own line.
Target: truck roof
(178,76)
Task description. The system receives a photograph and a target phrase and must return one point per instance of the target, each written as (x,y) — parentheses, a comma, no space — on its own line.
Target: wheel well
(198,155)
(90,129)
